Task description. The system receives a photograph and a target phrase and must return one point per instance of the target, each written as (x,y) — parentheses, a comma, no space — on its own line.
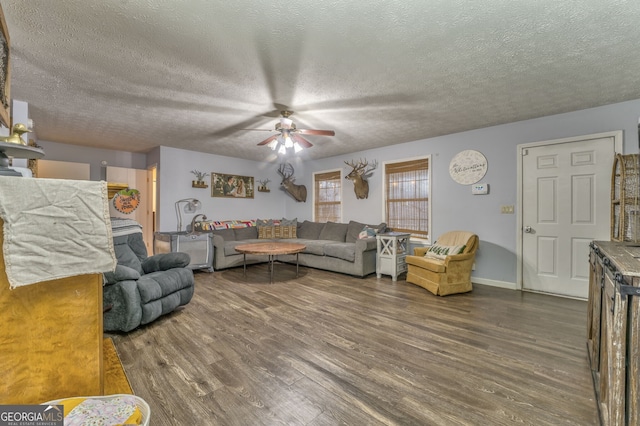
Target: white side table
(392,252)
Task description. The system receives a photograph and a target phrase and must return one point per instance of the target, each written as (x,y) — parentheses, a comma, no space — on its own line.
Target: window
(407,191)
(327,196)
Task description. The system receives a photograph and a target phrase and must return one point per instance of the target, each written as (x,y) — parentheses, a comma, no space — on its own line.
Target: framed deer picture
(231,186)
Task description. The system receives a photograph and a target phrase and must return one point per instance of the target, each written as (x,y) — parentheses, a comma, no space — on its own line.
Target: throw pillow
(286,222)
(266,232)
(264,222)
(367,233)
(285,231)
(437,251)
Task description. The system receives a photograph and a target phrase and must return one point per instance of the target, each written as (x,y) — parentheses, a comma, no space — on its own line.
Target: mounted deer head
(298,192)
(359,176)
(263,185)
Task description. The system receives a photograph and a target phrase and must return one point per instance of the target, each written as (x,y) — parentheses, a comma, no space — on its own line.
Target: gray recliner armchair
(142,288)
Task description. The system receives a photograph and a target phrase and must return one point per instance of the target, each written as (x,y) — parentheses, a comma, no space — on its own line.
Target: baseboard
(494,283)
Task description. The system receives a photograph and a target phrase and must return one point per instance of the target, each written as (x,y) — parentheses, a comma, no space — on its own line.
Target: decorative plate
(127,200)
(468,167)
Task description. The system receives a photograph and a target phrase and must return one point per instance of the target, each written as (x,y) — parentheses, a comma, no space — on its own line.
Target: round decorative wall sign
(468,167)
(127,200)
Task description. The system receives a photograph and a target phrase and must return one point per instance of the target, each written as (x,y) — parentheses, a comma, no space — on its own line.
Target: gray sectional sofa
(329,246)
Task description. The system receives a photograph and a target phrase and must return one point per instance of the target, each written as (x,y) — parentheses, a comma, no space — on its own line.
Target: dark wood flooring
(329,349)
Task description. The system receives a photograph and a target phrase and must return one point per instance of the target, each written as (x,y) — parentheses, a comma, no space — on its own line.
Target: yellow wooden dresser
(50,338)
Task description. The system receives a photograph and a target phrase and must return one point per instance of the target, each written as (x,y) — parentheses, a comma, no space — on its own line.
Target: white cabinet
(392,252)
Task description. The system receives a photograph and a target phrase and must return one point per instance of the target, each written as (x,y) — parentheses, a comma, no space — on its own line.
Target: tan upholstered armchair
(449,274)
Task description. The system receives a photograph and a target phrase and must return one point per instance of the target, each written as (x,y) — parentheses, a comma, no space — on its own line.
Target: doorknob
(528,230)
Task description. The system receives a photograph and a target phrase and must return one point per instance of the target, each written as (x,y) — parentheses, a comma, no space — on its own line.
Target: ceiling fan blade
(316,132)
(260,130)
(269,139)
(301,141)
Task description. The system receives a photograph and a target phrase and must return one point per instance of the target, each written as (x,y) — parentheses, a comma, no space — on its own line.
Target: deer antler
(360,166)
(372,167)
(281,171)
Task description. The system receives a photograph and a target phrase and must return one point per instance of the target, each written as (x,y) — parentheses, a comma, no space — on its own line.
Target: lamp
(192,205)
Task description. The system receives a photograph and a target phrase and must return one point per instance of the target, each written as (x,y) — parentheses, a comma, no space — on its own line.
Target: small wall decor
(126,200)
(468,167)
(199,182)
(359,174)
(263,185)
(223,185)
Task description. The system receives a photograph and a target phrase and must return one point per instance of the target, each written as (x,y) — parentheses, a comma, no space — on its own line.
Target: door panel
(565,205)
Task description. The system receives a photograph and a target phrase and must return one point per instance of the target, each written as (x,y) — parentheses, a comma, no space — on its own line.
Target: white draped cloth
(54,228)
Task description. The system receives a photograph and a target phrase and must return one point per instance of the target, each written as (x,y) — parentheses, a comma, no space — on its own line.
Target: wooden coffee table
(271,249)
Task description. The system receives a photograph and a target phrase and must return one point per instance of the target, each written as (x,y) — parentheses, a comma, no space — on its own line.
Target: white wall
(93,156)
(174,182)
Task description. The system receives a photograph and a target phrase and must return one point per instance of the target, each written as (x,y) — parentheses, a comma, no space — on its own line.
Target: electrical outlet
(506,209)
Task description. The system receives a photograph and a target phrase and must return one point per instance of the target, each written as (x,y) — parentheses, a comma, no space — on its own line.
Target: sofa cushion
(433,265)
(157,285)
(165,261)
(346,251)
(125,254)
(309,230)
(314,246)
(121,273)
(227,234)
(247,233)
(334,231)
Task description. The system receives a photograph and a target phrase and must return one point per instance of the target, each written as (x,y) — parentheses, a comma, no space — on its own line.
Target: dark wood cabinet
(613,322)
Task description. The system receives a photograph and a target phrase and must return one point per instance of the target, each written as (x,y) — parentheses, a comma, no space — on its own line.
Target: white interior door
(565,205)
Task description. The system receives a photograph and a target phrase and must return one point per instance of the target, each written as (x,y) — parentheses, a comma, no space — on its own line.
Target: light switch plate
(480,188)
(506,209)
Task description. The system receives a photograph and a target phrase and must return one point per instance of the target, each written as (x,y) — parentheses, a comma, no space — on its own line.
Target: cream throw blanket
(54,228)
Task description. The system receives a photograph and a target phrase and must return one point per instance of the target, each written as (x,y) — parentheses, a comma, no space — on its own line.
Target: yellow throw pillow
(265,232)
(285,231)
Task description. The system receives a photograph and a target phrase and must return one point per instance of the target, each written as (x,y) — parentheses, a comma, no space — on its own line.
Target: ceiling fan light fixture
(286,123)
(288,143)
(288,137)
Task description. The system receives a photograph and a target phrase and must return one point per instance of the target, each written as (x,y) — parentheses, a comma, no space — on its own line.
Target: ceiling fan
(288,135)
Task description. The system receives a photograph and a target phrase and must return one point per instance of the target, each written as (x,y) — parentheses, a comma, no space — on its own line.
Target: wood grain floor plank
(327,349)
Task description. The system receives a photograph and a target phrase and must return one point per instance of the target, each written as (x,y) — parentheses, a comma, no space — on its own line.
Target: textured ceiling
(133,74)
